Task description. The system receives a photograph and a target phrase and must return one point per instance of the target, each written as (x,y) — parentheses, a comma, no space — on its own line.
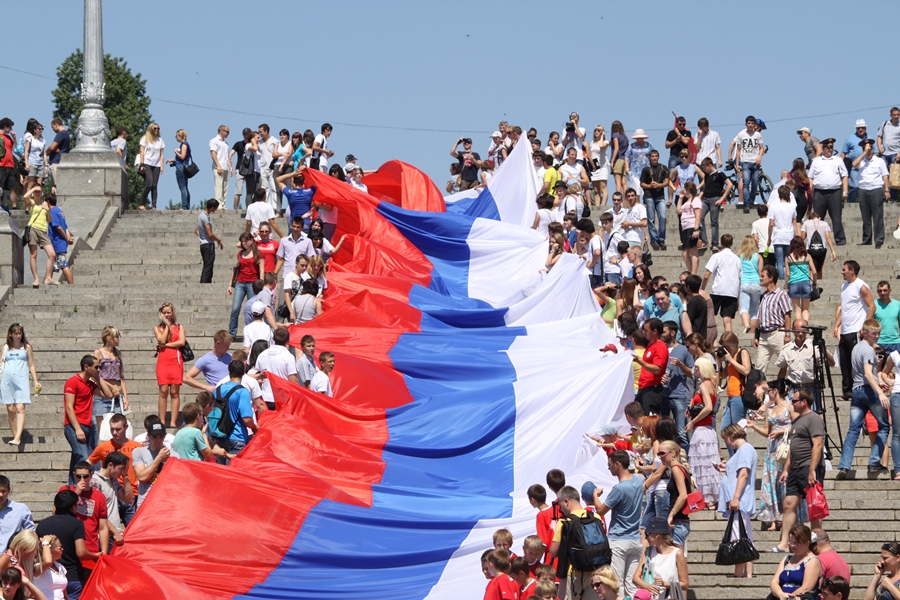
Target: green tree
(127,105)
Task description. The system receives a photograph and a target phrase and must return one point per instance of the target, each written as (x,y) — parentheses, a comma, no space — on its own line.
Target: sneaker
(654,245)
(746,330)
(877,468)
(878,245)
(841,474)
(662,246)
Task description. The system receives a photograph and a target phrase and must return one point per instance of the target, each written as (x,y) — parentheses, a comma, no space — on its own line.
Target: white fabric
(827,172)
(249,383)
(259,212)
(707,146)
(220,147)
(514,187)
(726,269)
(504,260)
(783,215)
(257,330)
(636,213)
(761,228)
(105,434)
(152,152)
(563,294)
(895,356)
(320,383)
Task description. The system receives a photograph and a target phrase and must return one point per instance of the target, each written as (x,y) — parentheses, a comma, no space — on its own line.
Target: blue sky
(405,79)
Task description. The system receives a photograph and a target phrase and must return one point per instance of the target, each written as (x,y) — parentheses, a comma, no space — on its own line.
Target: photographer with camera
(735,364)
(469,163)
(795,362)
(574,138)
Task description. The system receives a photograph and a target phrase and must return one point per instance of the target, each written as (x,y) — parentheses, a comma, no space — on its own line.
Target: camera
(467,140)
(720,352)
(570,126)
(596,163)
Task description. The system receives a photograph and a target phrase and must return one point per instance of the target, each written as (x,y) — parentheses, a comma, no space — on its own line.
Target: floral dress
(771,502)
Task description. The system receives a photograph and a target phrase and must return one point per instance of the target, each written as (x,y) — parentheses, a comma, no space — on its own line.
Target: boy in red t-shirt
(519,571)
(537,496)
(653,367)
(91,509)
(610,441)
(533,549)
(545,589)
(502,586)
(503,540)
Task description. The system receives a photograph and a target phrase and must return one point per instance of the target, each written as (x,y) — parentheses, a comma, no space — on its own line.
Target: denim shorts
(680,532)
(108,405)
(801,289)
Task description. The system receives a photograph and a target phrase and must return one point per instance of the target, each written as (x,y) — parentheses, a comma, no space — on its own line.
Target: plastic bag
(816,502)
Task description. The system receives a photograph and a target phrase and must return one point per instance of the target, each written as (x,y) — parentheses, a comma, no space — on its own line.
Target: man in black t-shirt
(469,163)
(654,181)
(713,193)
(69,530)
(694,318)
(238,151)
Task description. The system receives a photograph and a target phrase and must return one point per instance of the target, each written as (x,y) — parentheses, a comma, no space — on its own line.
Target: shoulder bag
(246,166)
(186,352)
(784,447)
(735,552)
(190,167)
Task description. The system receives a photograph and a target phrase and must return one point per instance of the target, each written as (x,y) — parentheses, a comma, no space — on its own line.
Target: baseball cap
(496,134)
(258,308)
(860,122)
(349,158)
(609,430)
(804,130)
(350,167)
(560,183)
(587,492)
(156,428)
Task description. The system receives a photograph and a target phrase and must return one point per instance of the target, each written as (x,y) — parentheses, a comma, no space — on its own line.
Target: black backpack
(748,396)
(816,245)
(226,424)
(587,547)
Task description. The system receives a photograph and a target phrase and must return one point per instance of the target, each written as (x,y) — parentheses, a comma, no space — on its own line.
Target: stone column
(92,133)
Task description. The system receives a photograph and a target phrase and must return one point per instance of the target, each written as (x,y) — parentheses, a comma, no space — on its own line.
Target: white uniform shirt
(872,173)
(827,173)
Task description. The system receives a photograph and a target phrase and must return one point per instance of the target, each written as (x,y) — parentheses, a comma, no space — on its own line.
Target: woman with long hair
(112,371)
(662,561)
(22,553)
(618,146)
(151,160)
(14,585)
(557,249)
(817,233)
(604,583)
(38,210)
(170,338)
(800,277)
(885,583)
(625,297)
(736,365)
(308,304)
(600,167)
(656,498)
(798,573)
(751,290)
(679,487)
(303,151)
(802,189)
(704,450)
(35,156)
(554,148)
(18,360)
(52,580)
(282,152)
(689,207)
(249,268)
(544,214)
(316,271)
(181,160)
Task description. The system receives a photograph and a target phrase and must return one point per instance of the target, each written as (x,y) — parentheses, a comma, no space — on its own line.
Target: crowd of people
(631,541)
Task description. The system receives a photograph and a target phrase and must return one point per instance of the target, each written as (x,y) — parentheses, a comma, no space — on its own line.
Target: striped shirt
(773,306)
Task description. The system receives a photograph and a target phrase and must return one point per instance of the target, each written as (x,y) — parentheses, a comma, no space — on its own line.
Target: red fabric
(169,362)
(84,399)
(544,528)
(405,186)
(657,354)
(117,578)
(619,445)
(528,592)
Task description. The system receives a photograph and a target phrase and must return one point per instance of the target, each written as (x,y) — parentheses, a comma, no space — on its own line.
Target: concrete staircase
(149,258)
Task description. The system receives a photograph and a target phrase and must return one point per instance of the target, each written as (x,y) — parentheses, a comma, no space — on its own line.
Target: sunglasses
(596,585)
(829,146)
(891,547)
(661,454)
(81,476)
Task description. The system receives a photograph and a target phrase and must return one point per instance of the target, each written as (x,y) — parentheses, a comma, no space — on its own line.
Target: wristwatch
(45,543)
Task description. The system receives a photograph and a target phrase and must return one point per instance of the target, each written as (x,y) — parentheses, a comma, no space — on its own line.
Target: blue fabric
(187,157)
(625,499)
(895,433)
(14,517)
(81,451)
(744,458)
(750,176)
(656,219)
(240,408)
(678,381)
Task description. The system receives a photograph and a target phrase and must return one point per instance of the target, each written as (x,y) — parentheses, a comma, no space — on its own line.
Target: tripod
(821,374)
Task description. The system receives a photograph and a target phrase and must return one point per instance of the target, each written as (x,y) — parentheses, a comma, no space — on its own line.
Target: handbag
(894,179)
(647,256)
(246,167)
(191,169)
(816,502)
(694,503)
(783,449)
(186,352)
(647,574)
(283,311)
(815,294)
(735,552)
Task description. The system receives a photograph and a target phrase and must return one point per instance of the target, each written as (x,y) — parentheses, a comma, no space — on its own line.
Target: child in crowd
(306,362)
(533,549)
(609,439)
(545,590)
(570,231)
(626,266)
(545,573)
(503,540)
(537,496)
(518,570)
(501,586)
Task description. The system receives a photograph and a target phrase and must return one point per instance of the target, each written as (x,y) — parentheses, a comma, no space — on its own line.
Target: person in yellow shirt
(551,176)
(578,583)
(39,221)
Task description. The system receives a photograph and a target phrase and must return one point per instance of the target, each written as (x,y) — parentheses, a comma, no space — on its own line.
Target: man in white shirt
(321,153)
(538,164)
(278,360)
(617,211)
(267,145)
(874,189)
(829,179)
(888,138)
(748,154)
(635,221)
(857,305)
(609,244)
(708,143)
(725,267)
(320,381)
(261,211)
(594,255)
(258,329)
(574,138)
(218,150)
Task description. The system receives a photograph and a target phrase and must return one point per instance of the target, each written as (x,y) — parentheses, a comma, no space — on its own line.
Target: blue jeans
(656,505)
(183,187)
(865,399)
(734,412)
(895,435)
(781,251)
(80,450)
(680,532)
(888,348)
(749,299)
(241,292)
(614,278)
(678,406)
(74,589)
(656,209)
(750,175)
(126,511)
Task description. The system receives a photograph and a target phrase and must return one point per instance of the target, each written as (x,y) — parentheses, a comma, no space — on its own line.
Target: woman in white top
(35,153)
(600,173)
(554,148)
(889,375)
(571,170)
(308,304)
(544,215)
(283,150)
(151,159)
(572,202)
(815,244)
(52,581)
(662,562)
(782,227)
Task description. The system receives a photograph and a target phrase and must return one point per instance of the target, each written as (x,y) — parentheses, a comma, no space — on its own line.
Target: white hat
(496,134)
(639,135)
(349,167)
(258,308)
(860,122)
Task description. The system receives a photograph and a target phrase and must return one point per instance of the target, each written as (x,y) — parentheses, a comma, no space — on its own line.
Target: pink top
(688,219)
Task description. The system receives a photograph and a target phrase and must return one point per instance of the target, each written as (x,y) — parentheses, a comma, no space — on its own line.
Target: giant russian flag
(463,374)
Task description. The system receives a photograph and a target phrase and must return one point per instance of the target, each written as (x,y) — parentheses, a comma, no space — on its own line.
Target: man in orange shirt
(118,425)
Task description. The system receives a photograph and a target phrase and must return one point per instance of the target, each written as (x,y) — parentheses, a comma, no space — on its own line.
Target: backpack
(226,424)
(246,167)
(816,246)
(748,396)
(587,547)
(3,139)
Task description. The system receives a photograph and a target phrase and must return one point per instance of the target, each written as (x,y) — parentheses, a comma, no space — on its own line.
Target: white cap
(496,134)
(258,308)
(860,122)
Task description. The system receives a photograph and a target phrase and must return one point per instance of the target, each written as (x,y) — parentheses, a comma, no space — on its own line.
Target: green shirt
(888,315)
(188,443)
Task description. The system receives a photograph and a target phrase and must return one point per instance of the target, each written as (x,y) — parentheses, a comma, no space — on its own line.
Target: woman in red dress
(170,337)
